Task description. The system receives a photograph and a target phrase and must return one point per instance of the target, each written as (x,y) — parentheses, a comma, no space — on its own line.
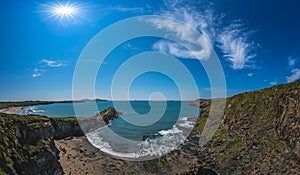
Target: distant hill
(37,102)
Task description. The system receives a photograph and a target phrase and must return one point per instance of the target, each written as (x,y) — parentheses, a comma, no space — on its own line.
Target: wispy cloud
(233,39)
(44,64)
(273,83)
(291,61)
(200,46)
(174,49)
(295,75)
(52,63)
(126,9)
(235,47)
(37,72)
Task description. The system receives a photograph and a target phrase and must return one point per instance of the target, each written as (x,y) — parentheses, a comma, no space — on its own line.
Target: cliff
(259,133)
(27,146)
(27,142)
(66,127)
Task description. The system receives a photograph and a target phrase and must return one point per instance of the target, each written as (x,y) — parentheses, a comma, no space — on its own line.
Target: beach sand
(11,110)
(78,156)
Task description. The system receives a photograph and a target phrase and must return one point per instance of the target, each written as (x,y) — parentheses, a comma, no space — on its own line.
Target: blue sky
(257,43)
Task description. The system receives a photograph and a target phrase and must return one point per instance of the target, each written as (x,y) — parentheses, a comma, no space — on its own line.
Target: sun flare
(63,11)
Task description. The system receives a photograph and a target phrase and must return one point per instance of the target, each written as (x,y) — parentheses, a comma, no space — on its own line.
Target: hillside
(259,133)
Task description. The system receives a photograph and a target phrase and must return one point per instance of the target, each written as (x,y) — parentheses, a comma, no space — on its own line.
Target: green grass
(250,122)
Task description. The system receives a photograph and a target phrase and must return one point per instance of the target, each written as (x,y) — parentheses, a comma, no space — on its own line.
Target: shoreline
(78,156)
(12,110)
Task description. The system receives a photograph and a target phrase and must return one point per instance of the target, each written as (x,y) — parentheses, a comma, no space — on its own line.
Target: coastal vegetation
(258,134)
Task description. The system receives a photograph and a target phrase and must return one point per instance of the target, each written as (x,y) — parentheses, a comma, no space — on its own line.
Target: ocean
(147,129)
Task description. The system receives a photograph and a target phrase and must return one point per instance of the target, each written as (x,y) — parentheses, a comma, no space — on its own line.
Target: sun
(63,11)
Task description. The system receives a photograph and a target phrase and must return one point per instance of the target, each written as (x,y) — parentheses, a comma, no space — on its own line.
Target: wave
(169,140)
(186,122)
(31,110)
(174,130)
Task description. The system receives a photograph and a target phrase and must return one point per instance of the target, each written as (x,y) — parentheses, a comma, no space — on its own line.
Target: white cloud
(186,33)
(36,73)
(232,39)
(250,74)
(235,47)
(52,63)
(295,75)
(173,49)
(273,83)
(291,61)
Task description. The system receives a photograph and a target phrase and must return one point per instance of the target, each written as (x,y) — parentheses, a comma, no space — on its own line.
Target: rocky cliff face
(27,142)
(66,127)
(259,133)
(27,146)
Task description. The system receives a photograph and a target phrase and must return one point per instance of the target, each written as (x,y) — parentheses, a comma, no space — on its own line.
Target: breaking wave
(31,110)
(168,140)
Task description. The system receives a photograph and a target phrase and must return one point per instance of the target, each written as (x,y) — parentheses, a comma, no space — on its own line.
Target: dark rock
(108,114)
(204,171)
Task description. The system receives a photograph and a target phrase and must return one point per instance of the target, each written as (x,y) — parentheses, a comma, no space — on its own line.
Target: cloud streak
(126,9)
(52,63)
(232,39)
(172,48)
(37,73)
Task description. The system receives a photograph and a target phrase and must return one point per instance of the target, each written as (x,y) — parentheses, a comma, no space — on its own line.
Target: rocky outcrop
(72,126)
(108,114)
(27,142)
(259,133)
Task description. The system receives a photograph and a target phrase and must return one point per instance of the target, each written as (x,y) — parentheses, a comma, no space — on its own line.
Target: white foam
(183,118)
(187,124)
(171,139)
(174,130)
(32,110)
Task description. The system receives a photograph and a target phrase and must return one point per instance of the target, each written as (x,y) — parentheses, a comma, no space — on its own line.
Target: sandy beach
(11,110)
(78,156)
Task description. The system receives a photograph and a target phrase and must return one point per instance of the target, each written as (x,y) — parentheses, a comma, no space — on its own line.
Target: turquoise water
(158,122)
